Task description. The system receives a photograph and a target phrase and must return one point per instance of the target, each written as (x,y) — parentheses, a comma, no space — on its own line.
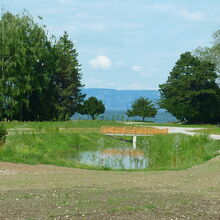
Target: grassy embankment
(58,143)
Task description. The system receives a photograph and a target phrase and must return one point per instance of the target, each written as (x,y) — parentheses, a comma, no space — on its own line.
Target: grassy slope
(47,145)
(51,148)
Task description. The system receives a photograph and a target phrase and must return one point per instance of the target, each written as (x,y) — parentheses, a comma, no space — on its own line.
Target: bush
(3,133)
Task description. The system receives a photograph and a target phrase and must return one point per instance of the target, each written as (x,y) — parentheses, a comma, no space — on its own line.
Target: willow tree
(32,68)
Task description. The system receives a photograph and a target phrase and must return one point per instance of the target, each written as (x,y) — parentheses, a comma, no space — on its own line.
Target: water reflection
(115,158)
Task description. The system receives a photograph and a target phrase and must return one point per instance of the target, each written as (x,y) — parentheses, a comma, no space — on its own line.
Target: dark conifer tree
(191,93)
(67,78)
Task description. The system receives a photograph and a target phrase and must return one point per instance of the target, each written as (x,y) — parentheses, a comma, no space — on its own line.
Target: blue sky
(127,44)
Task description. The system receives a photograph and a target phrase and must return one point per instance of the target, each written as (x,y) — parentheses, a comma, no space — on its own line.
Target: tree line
(40,78)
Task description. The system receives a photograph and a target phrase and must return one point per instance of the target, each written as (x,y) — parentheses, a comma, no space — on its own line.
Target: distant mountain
(120,99)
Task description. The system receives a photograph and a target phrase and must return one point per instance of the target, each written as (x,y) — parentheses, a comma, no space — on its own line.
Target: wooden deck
(132,131)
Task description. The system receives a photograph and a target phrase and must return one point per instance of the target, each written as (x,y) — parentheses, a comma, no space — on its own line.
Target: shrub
(3,133)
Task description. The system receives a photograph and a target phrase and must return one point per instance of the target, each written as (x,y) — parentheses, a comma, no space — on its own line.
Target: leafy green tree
(191,93)
(24,45)
(93,107)
(40,77)
(142,107)
(212,53)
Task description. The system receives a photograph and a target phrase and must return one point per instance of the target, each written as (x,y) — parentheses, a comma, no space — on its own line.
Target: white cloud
(136,86)
(64,1)
(137,68)
(101,62)
(120,63)
(145,74)
(149,72)
(96,26)
(181,12)
(193,16)
(81,15)
(94,83)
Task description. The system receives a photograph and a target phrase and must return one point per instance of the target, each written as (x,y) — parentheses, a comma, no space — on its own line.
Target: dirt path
(50,192)
(188,131)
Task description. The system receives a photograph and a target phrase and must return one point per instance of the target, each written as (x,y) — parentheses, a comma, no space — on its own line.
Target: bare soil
(51,192)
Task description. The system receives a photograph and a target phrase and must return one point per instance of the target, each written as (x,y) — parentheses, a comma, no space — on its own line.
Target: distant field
(77,124)
(62,124)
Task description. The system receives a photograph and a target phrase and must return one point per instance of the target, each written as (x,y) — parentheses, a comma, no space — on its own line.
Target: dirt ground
(50,192)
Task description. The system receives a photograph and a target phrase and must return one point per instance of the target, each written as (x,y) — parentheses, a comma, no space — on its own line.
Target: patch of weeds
(124,209)
(26,196)
(150,206)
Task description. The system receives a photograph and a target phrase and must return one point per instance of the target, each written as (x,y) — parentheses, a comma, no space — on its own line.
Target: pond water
(115,158)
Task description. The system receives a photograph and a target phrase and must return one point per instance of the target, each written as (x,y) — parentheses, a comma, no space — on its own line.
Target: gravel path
(188,131)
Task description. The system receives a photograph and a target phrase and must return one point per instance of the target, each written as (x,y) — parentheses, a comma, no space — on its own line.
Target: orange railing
(132,130)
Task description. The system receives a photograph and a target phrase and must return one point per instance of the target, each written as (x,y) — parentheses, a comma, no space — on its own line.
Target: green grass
(62,124)
(51,145)
(178,151)
(92,124)
(51,148)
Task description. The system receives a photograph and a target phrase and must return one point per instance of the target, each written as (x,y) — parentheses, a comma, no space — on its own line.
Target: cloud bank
(101,62)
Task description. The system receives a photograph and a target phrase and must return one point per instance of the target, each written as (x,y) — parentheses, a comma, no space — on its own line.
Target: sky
(127,44)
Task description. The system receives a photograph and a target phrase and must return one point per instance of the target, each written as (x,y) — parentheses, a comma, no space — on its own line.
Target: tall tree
(142,107)
(67,78)
(191,92)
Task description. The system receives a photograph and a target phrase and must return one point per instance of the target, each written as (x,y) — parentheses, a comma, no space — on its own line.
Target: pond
(157,152)
(114,158)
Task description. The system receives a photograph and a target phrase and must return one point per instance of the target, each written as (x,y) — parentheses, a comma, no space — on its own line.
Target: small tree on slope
(93,107)
(142,107)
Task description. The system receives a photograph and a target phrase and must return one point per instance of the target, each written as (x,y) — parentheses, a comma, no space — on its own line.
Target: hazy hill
(120,99)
